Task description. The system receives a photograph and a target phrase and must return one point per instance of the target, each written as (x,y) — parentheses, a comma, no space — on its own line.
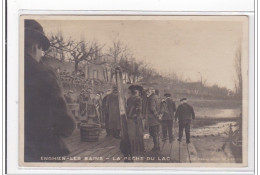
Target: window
(95,74)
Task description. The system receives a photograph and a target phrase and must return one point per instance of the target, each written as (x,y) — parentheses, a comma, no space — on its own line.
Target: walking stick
(188,152)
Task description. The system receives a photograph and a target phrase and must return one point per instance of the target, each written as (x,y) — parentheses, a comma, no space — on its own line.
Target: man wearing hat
(112,105)
(46,119)
(82,102)
(167,109)
(184,114)
(153,118)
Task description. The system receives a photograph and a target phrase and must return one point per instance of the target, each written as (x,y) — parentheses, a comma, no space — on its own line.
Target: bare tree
(118,54)
(117,51)
(132,70)
(147,72)
(58,47)
(83,51)
(75,51)
(136,70)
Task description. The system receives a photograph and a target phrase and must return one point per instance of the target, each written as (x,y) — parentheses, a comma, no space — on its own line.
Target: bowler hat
(136,87)
(139,88)
(34,29)
(132,87)
(183,99)
(115,89)
(167,94)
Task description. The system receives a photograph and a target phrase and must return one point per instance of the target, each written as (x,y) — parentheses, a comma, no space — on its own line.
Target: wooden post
(121,100)
(125,144)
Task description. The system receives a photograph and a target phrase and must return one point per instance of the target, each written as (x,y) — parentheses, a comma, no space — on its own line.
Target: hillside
(193,90)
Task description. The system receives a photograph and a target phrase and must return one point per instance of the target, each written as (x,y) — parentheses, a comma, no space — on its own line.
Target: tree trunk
(125,78)
(134,78)
(76,66)
(129,78)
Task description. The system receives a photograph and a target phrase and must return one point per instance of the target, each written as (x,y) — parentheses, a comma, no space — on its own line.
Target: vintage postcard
(133,91)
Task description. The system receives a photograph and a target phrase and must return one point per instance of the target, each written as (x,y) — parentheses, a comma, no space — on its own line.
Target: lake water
(216,113)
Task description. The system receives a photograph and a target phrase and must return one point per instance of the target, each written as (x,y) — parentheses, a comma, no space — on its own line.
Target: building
(99,71)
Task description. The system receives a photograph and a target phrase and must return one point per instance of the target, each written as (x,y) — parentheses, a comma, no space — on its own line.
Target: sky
(193,47)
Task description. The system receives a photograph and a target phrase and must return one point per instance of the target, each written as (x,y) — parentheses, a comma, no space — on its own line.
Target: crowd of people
(145,110)
(46,117)
(75,81)
(88,104)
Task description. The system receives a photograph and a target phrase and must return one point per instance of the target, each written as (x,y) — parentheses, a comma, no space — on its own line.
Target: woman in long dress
(134,120)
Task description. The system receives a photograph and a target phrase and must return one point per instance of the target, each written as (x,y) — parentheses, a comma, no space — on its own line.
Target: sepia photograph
(153,91)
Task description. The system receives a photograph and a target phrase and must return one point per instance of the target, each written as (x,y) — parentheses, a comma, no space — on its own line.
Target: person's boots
(158,143)
(154,143)
(179,139)
(188,138)
(117,134)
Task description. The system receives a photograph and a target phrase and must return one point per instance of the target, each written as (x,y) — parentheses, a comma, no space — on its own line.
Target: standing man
(153,118)
(82,103)
(144,109)
(168,109)
(184,114)
(112,103)
(46,119)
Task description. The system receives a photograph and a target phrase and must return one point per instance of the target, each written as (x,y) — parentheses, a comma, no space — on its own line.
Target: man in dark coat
(112,104)
(46,119)
(153,118)
(184,114)
(168,109)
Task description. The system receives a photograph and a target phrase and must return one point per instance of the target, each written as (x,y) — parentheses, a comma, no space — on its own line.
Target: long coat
(135,125)
(113,111)
(152,110)
(46,119)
